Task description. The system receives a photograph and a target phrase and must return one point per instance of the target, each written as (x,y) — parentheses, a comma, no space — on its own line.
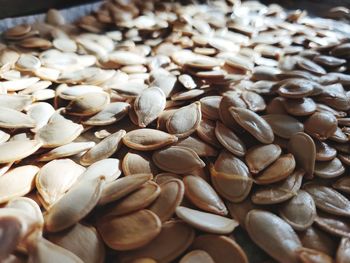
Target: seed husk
(277,171)
(184,121)
(202,195)
(58,132)
(281,244)
(16,150)
(149,105)
(176,159)
(119,188)
(12,119)
(93,250)
(74,205)
(253,123)
(328,199)
(300,211)
(40,249)
(197,256)
(229,139)
(329,169)
(66,150)
(321,125)
(279,192)
(196,144)
(148,139)
(137,163)
(103,149)
(171,195)
(343,251)
(221,248)
(333,225)
(310,255)
(303,149)
(260,157)
(159,248)
(315,238)
(57,177)
(137,200)
(284,125)
(88,104)
(206,222)
(17,182)
(231,177)
(124,232)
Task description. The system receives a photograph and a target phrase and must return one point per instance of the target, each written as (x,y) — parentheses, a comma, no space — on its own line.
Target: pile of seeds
(154,132)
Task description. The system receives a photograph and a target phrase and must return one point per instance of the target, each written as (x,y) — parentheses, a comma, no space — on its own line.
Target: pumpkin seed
(231,177)
(259,157)
(103,149)
(16,150)
(185,120)
(229,139)
(197,256)
(342,255)
(282,244)
(148,139)
(328,200)
(170,197)
(220,248)
(303,149)
(159,249)
(201,194)
(136,163)
(277,171)
(137,200)
(300,211)
(177,159)
(253,123)
(83,241)
(143,221)
(205,221)
(74,205)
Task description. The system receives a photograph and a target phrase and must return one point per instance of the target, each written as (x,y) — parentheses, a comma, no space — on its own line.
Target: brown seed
(117,189)
(334,225)
(295,88)
(137,200)
(220,248)
(201,194)
(229,139)
(279,192)
(277,171)
(329,169)
(160,249)
(303,149)
(281,244)
(315,238)
(253,123)
(210,107)
(300,211)
(196,256)
(259,157)
(137,163)
(148,139)
(177,159)
(231,177)
(343,252)
(283,125)
(299,107)
(328,200)
(343,184)
(185,120)
(170,197)
(200,147)
(308,255)
(324,152)
(321,125)
(129,231)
